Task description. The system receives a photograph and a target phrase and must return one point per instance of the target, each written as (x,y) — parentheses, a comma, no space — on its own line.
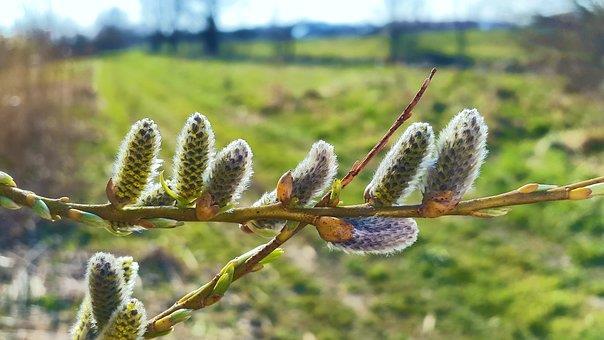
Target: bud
(129,271)
(127,322)
(225,280)
(401,170)
(533,187)
(7,203)
(579,194)
(194,151)
(285,186)
(176,317)
(84,322)
(136,163)
(333,229)
(273,256)
(461,149)
(106,286)
(155,195)
(40,208)
(204,207)
(6,179)
(231,173)
(311,178)
(87,218)
(378,235)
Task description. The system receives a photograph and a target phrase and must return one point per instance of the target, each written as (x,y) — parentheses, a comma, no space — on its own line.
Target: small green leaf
(336,189)
(181,315)
(7,203)
(274,255)
(224,282)
(169,191)
(6,179)
(93,220)
(41,209)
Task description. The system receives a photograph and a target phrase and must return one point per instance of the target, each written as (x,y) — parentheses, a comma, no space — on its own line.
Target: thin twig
(287,232)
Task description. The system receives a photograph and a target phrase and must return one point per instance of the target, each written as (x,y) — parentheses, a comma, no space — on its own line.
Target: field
(535,273)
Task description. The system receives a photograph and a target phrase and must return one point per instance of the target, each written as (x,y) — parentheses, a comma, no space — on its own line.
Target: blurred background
(281,74)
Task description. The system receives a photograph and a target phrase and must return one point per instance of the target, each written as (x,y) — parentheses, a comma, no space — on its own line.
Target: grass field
(532,274)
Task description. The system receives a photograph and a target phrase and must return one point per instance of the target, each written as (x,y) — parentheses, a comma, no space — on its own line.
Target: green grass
(536,273)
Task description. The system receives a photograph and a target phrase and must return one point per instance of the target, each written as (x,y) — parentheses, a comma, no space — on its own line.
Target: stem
(287,232)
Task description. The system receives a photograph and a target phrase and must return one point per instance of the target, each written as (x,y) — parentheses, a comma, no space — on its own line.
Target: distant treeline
(111,38)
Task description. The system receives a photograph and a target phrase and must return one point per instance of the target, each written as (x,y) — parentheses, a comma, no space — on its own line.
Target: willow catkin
(311,177)
(105,285)
(401,170)
(230,173)
(379,235)
(194,152)
(461,149)
(155,195)
(129,271)
(127,322)
(84,324)
(136,163)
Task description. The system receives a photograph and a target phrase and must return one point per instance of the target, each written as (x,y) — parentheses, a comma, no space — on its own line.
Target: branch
(287,232)
(204,296)
(472,207)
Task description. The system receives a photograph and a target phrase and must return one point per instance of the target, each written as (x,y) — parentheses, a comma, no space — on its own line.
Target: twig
(287,232)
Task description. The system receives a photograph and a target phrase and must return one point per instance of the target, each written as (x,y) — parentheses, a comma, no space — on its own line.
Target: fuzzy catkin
(127,322)
(155,195)
(379,235)
(136,163)
(230,174)
(401,170)
(311,177)
(84,324)
(194,152)
(461,149)
(105,285)
(129,271)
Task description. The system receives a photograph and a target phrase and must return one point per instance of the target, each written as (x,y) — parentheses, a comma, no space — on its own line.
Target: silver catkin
(230,173)
(194,152)
(461,149)
(379,235)
(105,285)
(402,168)
(311,177)
(136,162)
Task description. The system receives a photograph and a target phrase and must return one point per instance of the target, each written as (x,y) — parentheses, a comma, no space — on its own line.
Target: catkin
(230,174)
(379,235)
(401,170)
(311,177)
(127,322)
(105,284)
(136,163)
(194,152)
(461,149)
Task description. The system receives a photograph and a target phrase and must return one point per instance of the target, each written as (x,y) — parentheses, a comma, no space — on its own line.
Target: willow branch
(287,232)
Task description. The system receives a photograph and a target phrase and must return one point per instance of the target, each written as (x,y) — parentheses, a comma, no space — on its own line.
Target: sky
(249,13)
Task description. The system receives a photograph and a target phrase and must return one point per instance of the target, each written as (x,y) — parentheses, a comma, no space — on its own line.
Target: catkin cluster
(108,310)
(197,169)
(447,171)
